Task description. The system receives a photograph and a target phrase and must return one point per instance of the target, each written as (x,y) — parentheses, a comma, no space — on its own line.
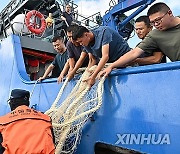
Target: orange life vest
(26,131)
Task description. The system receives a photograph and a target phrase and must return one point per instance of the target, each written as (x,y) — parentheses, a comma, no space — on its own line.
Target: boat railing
(6,15)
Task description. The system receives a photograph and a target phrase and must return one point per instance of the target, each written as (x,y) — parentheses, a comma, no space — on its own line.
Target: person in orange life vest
(25,130)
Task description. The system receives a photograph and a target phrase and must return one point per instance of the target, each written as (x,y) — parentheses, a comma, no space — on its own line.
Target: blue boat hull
(136,101)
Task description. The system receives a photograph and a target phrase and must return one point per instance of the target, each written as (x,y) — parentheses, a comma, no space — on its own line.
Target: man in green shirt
(165,37)
(142,28)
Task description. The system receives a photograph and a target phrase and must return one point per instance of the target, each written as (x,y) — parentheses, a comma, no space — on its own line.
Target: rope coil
(69,118)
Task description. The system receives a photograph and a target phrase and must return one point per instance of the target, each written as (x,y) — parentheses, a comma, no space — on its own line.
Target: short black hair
(78,32)
(55,38)
(144,19)
(72,27)
(158,7)
(68,5)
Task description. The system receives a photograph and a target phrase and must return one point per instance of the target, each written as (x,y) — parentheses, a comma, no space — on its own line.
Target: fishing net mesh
(71,115)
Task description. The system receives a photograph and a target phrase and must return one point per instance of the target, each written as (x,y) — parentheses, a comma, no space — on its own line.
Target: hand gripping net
(69,118)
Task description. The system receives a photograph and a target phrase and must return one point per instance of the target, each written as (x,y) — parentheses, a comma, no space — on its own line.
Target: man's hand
(60,78)
(40,79)
(70,69)
(105,72)
(70,75)
(63,18)
(91,81)
(89,70)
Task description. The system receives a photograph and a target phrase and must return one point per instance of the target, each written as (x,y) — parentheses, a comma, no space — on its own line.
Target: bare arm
(78,65)
(63,72)
(49,69)
(154,59)
(92,60)
(123,60)
(102,62)
(80,61)
(127,58)
(63,18)
(71,63)
(104,59)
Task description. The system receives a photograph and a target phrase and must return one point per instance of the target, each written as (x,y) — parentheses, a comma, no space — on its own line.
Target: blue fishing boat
(140,109)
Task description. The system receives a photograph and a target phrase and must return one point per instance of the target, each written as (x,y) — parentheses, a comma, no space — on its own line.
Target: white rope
(99,98)
(69,118)
(33,90)
(53,107)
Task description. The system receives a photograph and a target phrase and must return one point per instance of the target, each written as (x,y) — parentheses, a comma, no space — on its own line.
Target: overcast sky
(89,7)
(92,6)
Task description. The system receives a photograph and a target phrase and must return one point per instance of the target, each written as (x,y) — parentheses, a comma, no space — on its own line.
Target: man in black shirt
(60,61)
(67,16)
(75,50)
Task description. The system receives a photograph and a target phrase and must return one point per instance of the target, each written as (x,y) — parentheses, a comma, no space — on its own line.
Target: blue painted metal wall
(140,100)
(13,75)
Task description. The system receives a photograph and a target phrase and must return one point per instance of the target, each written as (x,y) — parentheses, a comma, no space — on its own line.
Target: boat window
(36,63)
(102,148)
